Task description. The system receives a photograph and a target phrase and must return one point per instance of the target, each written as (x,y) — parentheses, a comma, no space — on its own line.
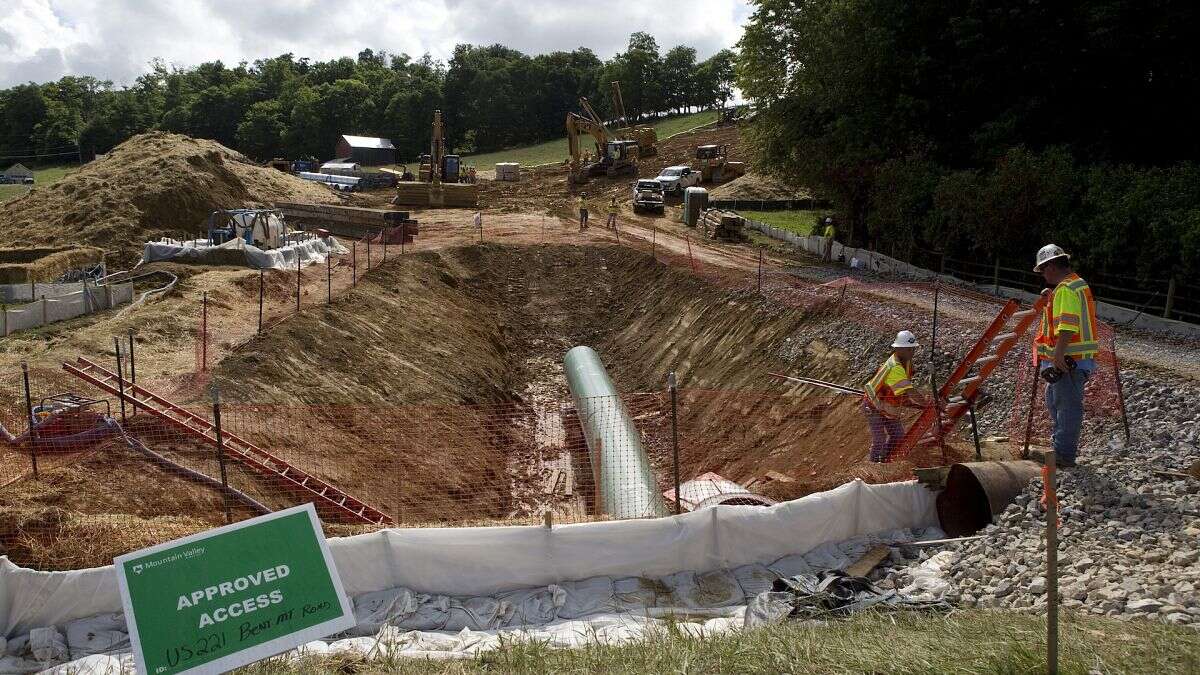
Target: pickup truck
(675,178)
(647,196)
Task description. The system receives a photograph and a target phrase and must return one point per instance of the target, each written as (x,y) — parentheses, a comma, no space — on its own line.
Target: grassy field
(800,222)
(963,642)
(556,151)
(44,176)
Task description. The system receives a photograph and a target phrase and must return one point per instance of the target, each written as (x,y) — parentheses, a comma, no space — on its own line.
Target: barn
(366,151)
(17,173)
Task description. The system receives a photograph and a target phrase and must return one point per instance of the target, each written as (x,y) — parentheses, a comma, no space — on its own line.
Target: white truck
(675,179)
(647,196)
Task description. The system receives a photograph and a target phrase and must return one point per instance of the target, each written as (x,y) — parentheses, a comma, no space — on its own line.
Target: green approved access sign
(220,599)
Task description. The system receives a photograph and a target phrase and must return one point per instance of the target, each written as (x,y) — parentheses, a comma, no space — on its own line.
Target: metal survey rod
(839,388)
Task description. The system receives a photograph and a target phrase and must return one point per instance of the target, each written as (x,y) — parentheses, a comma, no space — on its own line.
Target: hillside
(151,185)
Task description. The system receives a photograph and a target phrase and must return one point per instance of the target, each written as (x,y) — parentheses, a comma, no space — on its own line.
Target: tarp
(237,251)
(479,561)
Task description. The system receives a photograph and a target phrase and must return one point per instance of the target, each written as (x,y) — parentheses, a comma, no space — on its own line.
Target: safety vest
(829,231)
(1072,310)
(889,384)
(612,208)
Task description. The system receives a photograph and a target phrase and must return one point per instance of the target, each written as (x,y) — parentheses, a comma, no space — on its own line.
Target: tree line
(492,97)
(984,129)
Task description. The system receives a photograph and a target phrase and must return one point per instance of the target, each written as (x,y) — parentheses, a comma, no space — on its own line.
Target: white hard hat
(1047,253)
(905,338)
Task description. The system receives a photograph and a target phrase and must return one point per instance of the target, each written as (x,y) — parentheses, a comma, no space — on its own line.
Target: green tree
(261,130)
(679,77)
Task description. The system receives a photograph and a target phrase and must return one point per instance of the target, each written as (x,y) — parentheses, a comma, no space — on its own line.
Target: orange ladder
(331,501)
(997,341)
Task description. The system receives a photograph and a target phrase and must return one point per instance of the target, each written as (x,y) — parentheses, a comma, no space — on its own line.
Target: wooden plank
(863,566)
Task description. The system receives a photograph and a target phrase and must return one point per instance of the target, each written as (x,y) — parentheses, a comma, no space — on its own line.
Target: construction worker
(829,234)
(612,214)
(1066,347)
(583,212)
(888,391)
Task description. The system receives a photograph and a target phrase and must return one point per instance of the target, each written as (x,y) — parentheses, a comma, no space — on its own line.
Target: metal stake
(33,439)
(1051,491)
(354,263)
(403,236)
(760,260)
(383,238)
(204,331)
(216,399)
(675,438)
(328,279)
(975,432)
(1029,415)
(120,377)
(133,372)
(937,401)
(260,300)
(1120,388)
(297,281)
(368,253)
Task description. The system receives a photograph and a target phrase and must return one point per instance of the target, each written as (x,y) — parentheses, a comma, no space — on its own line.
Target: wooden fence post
(1170,304)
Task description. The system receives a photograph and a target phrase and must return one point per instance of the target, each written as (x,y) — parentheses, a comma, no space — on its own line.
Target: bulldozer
(614,156)
(646,137)
(712,161)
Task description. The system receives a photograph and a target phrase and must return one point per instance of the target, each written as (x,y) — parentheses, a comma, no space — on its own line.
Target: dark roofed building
(366,151)
(17,173)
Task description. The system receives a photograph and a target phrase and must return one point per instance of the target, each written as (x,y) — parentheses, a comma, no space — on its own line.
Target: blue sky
(42,40)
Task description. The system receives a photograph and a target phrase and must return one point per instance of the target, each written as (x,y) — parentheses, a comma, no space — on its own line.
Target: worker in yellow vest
(583,211)
(829,234)
(612,214)
(890,390)
(1065,348)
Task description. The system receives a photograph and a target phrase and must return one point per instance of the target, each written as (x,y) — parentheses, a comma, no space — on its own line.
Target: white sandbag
(635,594)
(827,556)
(931,578)
(477,613)
(587,596)
(48,645)
(791,565)
(373,611)
(755,578)
(531,606)
(100,634)
(716,588)
(432,613)
(96,664)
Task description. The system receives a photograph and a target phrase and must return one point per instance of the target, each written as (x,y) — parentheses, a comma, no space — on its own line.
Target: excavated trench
(434,391)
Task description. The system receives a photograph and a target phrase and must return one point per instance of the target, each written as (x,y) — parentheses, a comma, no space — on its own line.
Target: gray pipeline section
(625,485)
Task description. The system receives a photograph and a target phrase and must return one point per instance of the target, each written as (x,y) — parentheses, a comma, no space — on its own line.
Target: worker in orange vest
(888,391)
(1065,348)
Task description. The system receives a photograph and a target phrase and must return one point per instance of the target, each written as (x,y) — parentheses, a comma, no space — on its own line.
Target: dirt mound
(759,186)
(153,184)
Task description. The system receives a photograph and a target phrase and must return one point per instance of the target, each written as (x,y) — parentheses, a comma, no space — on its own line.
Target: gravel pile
(1129,542)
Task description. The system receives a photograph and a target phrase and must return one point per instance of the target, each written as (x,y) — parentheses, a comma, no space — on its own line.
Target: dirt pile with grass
(759,186)
(152,184)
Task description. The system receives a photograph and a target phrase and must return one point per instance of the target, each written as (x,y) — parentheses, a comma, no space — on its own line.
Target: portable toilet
(695,200)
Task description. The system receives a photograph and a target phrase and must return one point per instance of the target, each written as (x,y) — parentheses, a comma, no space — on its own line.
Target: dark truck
(648,196)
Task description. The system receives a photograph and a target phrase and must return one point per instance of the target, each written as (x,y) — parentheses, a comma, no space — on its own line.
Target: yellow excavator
(614,157)
(646,137)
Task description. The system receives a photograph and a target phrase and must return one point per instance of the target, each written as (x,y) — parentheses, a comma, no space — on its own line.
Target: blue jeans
(886,432)
(1064,400)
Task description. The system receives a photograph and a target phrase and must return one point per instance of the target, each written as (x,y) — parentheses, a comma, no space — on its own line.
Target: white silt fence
(57,305)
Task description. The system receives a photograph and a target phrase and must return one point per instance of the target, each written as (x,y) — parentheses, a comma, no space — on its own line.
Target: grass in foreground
(556,150)
(965,642)
(44,176)
(799,221)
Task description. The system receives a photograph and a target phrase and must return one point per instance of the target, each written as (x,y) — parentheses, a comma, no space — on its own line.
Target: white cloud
(116,39)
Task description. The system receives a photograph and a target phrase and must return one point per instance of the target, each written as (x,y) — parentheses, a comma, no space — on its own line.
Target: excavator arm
(576,125)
